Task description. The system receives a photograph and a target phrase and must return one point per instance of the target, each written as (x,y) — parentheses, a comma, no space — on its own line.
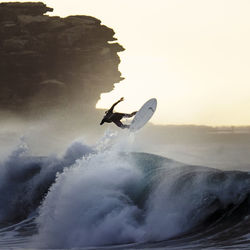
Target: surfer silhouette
(110,116)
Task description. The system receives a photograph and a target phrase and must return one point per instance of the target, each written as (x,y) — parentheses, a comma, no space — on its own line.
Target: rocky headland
(49,62)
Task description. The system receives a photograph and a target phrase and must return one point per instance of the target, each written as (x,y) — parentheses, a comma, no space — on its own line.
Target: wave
(91,198)
(24,180)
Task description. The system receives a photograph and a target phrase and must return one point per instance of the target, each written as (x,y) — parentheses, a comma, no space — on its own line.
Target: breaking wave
(112,197)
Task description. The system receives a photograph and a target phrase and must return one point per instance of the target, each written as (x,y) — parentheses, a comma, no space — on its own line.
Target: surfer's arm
(112,108)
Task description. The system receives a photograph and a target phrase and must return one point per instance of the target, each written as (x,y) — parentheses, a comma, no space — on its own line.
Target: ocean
(109,196)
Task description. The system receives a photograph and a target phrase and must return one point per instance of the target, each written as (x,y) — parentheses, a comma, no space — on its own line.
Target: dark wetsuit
(116,117)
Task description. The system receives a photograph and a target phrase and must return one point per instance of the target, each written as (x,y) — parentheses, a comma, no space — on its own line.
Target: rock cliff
(50,62)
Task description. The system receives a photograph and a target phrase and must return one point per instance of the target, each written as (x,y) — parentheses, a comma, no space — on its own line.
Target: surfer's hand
(122,99)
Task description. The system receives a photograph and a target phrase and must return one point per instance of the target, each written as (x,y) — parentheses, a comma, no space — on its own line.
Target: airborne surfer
(110,116)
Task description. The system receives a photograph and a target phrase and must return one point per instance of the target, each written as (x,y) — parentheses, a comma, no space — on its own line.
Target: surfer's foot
(125,126)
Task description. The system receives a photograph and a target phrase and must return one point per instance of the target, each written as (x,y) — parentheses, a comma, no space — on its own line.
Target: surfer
(116,117)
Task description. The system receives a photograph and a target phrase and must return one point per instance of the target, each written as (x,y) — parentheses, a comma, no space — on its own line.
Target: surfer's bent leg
(120,124)
(129,115)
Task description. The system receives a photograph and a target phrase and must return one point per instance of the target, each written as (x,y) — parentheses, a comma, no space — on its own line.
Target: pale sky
(192,55)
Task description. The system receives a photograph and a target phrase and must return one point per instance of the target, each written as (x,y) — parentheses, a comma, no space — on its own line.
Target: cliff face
(48,62)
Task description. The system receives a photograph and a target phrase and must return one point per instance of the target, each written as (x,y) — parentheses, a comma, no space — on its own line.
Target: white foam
(88,204)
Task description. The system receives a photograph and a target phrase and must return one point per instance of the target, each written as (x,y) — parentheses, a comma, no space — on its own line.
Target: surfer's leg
(120,124)
(129,115)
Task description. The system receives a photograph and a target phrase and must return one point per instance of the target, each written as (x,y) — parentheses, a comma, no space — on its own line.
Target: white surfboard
(143,115)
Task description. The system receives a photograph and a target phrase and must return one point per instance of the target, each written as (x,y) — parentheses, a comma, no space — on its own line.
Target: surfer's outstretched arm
(112,108)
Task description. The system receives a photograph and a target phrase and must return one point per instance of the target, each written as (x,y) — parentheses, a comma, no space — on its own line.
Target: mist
(217,147)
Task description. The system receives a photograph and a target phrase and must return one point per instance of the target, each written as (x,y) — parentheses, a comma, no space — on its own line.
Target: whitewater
(108,196)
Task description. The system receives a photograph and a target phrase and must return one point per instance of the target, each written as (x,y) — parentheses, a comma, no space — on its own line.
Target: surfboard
(143,115)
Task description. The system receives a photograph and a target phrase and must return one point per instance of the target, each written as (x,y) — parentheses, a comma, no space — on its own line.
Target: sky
(192,55)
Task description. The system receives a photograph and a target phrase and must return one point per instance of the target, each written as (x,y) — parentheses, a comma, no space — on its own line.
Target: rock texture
(48,62)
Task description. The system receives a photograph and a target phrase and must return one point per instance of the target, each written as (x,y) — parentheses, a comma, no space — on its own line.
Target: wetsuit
(116,117)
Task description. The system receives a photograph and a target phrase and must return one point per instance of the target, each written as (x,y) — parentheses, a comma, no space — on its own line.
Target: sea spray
(25,179)
(122,141)
(88,205)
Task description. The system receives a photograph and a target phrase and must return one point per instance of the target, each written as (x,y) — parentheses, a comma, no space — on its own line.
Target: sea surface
(109,197)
